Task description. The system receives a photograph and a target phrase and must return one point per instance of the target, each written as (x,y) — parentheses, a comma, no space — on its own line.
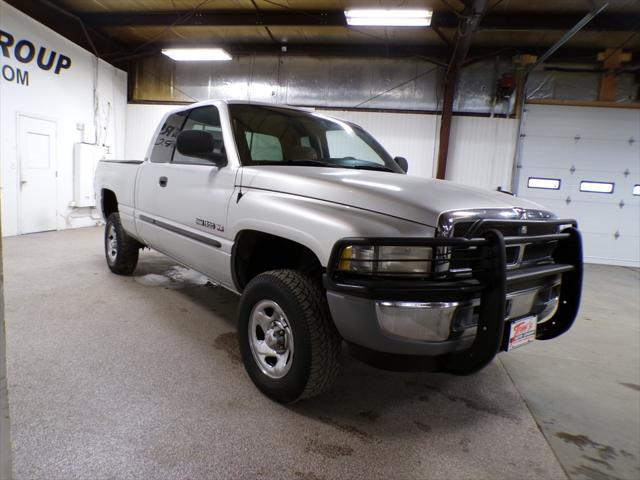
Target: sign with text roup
(27,53)
(522,332)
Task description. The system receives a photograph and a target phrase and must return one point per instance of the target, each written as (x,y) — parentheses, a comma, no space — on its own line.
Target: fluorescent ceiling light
(196,54)
(392,18)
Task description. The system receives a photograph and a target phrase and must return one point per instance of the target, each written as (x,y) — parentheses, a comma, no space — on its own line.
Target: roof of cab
(235,102)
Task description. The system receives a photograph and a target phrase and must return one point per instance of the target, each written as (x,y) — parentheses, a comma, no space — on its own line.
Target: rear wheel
(121,250)
(289,345)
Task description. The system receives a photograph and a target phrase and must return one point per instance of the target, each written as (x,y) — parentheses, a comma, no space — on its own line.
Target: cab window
(346,144)
(264,147)
(166,139)
(206,119)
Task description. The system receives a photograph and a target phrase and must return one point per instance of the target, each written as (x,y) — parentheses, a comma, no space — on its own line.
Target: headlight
(371,259)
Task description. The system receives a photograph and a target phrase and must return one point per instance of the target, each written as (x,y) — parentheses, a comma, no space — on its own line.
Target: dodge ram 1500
(327,240)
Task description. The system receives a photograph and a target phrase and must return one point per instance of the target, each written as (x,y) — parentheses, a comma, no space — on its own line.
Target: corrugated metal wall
(354,82)
(481,151)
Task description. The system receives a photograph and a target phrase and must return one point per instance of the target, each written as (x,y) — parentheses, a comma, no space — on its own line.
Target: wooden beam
(523,62)
(612,59)
(445,123)
(469,21)
(584,103)
(62,22)
(615,21)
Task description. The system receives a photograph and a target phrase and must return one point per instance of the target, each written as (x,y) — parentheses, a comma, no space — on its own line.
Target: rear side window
(166,139)
(207,119)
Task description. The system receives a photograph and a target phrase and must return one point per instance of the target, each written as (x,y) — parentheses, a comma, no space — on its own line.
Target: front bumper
(430,328)
(359,322)
(460,322)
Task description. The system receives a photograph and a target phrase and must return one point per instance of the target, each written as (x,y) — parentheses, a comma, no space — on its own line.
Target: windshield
(279,136)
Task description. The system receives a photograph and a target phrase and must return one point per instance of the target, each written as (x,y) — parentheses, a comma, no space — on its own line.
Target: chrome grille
(467,225)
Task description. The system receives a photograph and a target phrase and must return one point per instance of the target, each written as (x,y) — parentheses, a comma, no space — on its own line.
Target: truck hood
(419,200)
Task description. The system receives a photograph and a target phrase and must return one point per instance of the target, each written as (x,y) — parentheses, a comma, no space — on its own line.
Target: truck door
(182,201)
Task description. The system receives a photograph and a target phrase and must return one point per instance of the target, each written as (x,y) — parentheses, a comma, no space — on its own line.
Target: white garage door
(584,163)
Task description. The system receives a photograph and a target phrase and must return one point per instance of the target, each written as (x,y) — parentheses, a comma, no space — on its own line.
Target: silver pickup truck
(327,240)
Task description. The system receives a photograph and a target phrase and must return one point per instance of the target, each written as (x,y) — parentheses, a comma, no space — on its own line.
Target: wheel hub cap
(271,339)
(112,244)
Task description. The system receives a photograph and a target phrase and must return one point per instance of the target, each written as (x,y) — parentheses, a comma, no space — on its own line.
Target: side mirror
(402,163)
(199,144)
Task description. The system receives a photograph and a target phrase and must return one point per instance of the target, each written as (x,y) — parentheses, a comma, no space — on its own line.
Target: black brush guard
(489,278)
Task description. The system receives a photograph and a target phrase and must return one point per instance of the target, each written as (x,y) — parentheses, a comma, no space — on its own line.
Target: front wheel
(120,249)
(289,345)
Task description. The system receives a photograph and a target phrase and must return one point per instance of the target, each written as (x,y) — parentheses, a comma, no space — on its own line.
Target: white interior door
(37,167)
(584,163)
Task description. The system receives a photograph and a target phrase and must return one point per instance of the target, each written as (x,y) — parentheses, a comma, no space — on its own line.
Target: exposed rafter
(62,21)
(94,29)
(434,54)
(618,21)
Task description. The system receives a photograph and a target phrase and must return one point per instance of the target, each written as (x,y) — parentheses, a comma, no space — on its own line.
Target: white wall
(142,120)
(481,151)
(66,98)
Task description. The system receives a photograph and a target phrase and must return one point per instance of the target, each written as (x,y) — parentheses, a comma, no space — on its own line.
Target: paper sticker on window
(544,183)
(596,187)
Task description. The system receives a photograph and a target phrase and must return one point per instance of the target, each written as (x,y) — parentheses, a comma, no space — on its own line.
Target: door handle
(162,181)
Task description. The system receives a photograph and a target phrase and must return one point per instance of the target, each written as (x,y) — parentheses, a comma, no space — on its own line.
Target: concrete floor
(140,377)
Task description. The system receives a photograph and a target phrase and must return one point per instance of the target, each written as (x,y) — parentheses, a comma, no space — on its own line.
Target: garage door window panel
(590,186)
(636,190)
(544,183)
(568,186)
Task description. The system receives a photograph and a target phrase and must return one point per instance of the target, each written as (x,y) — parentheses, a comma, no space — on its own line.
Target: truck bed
(119,176)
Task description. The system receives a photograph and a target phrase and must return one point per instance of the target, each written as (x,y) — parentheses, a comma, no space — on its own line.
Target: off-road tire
(315,361)
(125,259)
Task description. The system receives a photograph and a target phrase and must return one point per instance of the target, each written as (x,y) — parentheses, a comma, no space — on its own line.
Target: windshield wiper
(319,163)
(380,168)
(322,163)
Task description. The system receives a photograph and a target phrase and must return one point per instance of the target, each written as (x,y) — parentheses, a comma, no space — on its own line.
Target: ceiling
(123,30)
